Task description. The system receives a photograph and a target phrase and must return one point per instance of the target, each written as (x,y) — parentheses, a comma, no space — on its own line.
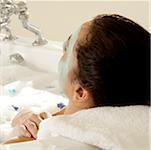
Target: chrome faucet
(8,8)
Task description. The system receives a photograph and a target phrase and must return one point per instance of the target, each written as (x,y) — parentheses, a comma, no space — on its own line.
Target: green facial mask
(64,67)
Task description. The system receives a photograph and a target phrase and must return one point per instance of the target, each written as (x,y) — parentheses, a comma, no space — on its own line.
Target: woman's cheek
(68,86)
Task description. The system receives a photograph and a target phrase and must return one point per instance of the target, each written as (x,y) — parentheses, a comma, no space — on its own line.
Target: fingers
(24,115)
(31,127)
(24,132)
(21,117)
(36,119)
(43,115)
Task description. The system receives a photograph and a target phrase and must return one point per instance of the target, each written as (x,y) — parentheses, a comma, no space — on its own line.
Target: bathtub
(35,78)
(54,143)
(33,83)
(43,58)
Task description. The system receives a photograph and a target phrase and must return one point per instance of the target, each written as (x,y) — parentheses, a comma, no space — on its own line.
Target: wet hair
(114,62)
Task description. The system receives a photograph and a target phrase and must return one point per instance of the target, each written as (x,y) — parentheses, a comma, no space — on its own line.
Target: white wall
(58,19)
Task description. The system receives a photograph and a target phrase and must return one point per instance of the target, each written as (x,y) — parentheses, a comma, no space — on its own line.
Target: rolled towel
(109,128)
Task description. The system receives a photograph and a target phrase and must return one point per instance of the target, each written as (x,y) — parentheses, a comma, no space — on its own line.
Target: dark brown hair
(114,63)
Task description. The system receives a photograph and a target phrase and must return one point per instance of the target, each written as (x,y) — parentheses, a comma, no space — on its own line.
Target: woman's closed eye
(66,44)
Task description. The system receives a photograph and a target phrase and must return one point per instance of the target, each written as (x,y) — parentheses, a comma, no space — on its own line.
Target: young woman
(105,63)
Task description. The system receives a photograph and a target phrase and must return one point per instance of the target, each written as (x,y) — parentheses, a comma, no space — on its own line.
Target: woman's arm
(24,139)
(18,140)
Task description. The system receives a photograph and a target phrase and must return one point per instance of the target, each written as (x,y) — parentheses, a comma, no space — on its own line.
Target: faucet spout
(40,39)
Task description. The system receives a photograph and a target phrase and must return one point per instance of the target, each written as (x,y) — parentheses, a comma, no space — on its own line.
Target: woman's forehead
(79,36)
(82,36)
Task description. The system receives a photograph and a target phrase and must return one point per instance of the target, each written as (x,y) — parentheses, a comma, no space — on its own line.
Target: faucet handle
(21,6)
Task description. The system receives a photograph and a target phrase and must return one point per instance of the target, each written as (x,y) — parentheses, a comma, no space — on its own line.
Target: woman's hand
(27,122)
(30,126)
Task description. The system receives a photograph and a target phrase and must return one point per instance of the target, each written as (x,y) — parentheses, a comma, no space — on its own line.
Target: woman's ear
(80,94)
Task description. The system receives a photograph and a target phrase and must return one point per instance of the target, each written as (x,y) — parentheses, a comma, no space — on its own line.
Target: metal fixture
(16,58)
(8,8)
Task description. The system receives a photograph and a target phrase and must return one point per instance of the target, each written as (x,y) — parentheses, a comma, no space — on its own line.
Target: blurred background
(58,19)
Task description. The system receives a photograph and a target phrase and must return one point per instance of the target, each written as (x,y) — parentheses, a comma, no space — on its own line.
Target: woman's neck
(71,110)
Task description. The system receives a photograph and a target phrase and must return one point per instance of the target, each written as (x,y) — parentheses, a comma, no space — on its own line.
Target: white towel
(109,128)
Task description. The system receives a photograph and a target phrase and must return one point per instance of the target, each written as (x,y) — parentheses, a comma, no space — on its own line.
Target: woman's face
(68,62)
(67,65)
